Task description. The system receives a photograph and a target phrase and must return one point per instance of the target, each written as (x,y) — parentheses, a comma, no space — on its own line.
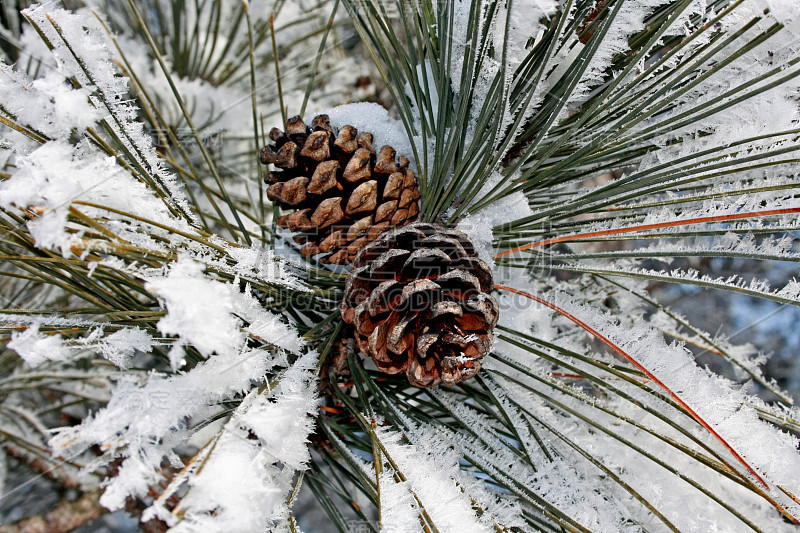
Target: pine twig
(67,516)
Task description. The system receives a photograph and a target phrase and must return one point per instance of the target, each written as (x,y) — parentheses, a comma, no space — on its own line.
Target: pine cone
(343,194)
(419,299)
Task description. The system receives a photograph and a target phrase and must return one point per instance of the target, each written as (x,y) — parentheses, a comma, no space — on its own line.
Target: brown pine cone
(343,194)
(419,299)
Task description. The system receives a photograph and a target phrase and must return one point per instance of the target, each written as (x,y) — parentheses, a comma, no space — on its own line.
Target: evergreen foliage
(165,339)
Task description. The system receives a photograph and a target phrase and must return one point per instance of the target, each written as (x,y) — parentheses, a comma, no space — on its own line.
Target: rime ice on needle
(565,430)
(147,418)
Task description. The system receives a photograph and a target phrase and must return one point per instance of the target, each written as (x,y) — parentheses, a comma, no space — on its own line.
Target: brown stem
(65,517)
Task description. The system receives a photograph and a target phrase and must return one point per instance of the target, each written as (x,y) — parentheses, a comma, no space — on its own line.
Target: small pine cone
(342,193)
(419,299)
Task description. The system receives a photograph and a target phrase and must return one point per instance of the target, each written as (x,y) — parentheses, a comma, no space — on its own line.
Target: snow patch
(36,348)
(372,118)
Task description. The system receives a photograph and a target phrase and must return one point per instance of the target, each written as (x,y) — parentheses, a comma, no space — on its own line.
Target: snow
(220,105)
(479,226)
(725,407)
(785,12)
(640,459)
(436,455)
(207,314)
(399,510)
(167,403)
(565,486)
(80,35)
(36,348)
(228,493)
(368,117)
(556,445)
(683,23)
(57,173)
(244,483)
(432,482)
(120,346)
(628,21)
(199,311)
(47,104)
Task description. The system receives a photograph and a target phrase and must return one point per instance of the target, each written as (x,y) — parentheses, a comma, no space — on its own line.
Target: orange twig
(789,494)
(649,374)
(565,375)
(674,396)
(645,227)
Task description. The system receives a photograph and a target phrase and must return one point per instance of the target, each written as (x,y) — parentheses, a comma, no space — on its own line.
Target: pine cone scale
(417,295)
(419,302)
(337,185)
(324,177)
(364,198)
(400,339)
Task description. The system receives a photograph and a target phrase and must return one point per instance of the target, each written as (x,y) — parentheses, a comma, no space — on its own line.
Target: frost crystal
(35,349)
(588,149)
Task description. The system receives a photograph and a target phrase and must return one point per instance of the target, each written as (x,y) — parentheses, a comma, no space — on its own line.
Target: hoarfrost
(199,310)
(145,420)
(36,348)
(565,485)
(432,480)
(717,401)
(399,510)
(56,174)
(244,483)
(629,20)
(249,466)
(120,346)
(48,104)
(82,53)
(207,313)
